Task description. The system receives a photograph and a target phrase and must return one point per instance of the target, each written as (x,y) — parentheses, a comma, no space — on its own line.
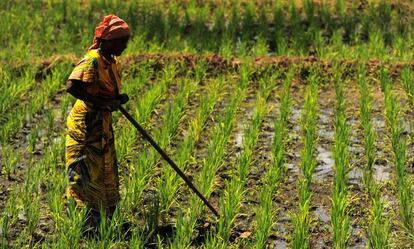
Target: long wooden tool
(168,159)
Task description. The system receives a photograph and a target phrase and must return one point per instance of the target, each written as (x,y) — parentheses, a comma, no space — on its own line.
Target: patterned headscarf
(111,27)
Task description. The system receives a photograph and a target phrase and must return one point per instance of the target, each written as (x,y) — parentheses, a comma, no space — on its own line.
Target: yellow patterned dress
(90,152)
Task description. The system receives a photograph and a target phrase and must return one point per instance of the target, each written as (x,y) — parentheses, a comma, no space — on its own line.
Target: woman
(90,152)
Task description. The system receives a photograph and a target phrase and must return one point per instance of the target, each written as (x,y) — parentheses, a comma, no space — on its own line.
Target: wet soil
(286,198)
(357,193)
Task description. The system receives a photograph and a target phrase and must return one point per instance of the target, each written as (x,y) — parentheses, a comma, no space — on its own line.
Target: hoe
(168,159)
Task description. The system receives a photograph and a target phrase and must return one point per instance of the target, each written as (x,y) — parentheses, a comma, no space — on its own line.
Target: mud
(325,166)
(287,196)
(245,222)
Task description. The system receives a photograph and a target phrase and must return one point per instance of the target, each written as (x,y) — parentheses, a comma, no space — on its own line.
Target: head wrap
(111,27)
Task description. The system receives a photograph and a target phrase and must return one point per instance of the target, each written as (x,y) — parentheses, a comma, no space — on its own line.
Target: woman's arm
(76,88)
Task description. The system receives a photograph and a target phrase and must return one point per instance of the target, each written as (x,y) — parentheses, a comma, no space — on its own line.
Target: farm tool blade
(168,159)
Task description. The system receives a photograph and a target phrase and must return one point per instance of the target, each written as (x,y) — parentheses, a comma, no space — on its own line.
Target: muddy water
(357,164)
(325,165)
(262,158)
(320,234)
(245,220)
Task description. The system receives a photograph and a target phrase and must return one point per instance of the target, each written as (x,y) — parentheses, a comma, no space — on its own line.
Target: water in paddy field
(325,164)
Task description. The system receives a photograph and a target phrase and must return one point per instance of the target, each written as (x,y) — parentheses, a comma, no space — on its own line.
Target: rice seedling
(378,231)
(340,206)
(171,183)
(8,217)
(399,147)
(231,201)
(365,117)
(30,200)
(148,158)
(301,219)
(41,39)
(406,80)
(70,227)
(211,164)
(265,213)
(10,160)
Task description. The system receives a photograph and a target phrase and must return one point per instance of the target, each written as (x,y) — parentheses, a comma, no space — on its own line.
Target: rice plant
(10,160)
(406,79)
(379,226)
(231,201)
(399,147)
(378,231)
(301,219)
(70,227)
(340,206)
(171,183)
(265,213)
(9,217)
(147,159)
(211,164)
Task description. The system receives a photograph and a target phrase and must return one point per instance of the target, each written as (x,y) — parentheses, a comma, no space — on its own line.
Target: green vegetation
(237,93)
(340,206)
(301,219)
(265,213)
(379,226)
(399,148)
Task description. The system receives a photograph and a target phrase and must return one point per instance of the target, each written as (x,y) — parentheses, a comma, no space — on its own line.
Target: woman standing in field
(90,152)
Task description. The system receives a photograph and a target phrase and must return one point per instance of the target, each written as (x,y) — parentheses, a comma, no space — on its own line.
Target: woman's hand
(123,98)
(112,105)
(76,88)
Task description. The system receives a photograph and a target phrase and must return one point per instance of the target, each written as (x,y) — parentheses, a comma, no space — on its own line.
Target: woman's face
(117,46)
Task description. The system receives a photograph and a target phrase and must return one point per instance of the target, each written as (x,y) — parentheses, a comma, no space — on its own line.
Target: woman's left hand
(112,105)
(123,98)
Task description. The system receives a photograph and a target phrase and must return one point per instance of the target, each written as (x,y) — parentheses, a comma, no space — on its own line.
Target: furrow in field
(286,196)
(358,194)
(268,166)
(321,187)
(236,220)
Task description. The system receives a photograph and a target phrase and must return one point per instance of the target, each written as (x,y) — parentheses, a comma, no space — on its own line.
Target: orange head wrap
(111,27)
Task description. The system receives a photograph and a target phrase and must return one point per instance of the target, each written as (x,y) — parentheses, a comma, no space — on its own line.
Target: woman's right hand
(112,105)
